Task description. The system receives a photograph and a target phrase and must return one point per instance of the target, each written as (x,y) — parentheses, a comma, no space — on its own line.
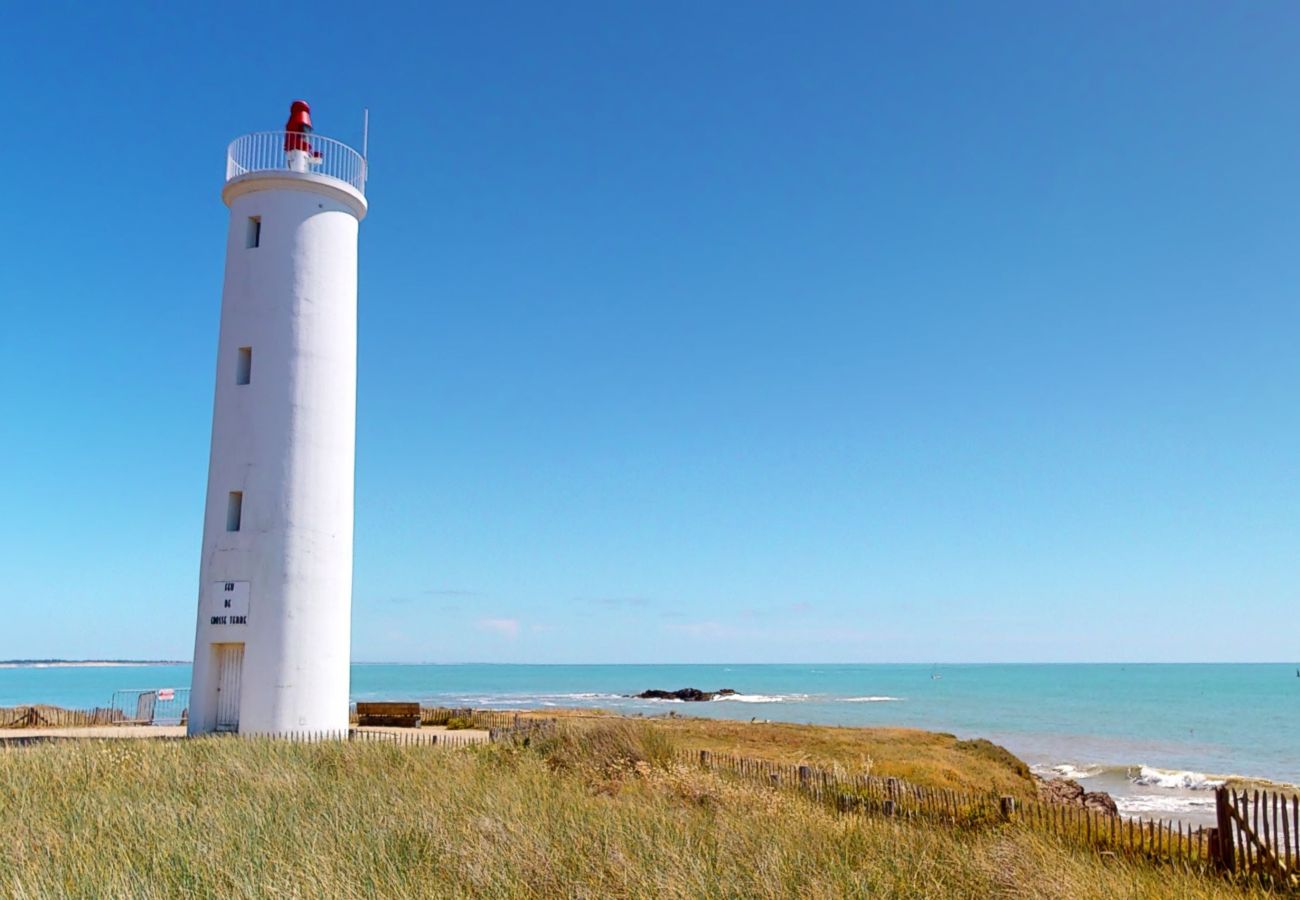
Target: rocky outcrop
(691,695)
(1071,793)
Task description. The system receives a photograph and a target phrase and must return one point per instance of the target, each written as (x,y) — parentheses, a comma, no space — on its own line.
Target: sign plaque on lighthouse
(271,648)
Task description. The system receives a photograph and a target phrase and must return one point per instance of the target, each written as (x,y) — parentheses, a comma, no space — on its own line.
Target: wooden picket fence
(58,717)
(445,739)
(523,728)
(1263,829)
(1258,833)
(477,718)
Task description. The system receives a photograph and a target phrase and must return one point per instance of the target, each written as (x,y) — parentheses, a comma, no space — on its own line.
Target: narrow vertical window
(244,366)
(234,510)
(254,231)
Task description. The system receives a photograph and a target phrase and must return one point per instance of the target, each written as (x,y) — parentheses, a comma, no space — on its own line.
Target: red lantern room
(297,129)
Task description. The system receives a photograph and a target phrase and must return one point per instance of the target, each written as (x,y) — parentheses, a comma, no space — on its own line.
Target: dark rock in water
(1071,793)
(691,695)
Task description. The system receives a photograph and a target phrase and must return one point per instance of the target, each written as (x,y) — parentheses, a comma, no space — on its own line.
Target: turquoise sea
(1156,736)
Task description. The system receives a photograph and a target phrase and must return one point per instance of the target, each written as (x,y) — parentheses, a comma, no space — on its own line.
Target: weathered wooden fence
(1258,833)
(1153,839)
(446,739)
(520,729)
(473,718)
(58,717)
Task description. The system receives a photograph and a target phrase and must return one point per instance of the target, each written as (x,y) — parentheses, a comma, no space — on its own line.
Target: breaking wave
(1139,776)
(1067,770)
(512,700)
(762,698)
(1148,776)
(880,699)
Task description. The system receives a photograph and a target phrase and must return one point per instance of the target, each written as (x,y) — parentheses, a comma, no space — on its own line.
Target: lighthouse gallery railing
(264,151)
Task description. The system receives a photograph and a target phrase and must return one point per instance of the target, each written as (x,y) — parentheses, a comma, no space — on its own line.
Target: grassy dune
(601,813)
(922,757)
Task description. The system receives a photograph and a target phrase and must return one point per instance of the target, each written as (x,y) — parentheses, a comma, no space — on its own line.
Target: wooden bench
(402,715)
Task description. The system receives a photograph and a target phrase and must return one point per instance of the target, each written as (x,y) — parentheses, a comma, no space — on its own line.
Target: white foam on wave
(1077,772)
(1161,804)
(516,699)
(1067,770)
(1149,776)
(763,698)
(873,699)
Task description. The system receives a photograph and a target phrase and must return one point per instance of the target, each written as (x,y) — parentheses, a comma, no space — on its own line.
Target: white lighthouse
(271,649)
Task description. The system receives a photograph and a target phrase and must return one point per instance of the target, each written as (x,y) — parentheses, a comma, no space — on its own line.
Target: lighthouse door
(230,665)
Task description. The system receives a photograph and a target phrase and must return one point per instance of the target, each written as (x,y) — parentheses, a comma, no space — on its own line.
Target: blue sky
(689,331)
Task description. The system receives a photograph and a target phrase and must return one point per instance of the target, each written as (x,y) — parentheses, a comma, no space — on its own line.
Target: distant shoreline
(86,663)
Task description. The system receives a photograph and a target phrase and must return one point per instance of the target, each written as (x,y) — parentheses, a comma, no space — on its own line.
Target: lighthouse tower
(271,649)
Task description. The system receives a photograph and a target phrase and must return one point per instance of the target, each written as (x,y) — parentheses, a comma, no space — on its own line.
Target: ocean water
(1157,737)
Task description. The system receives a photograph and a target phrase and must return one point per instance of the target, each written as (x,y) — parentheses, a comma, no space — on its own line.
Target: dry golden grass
(925,758)
(603,814)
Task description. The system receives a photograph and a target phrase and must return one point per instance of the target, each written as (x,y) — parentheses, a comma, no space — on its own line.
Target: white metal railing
(283,151)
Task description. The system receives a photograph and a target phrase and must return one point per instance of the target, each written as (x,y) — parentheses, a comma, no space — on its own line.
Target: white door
(230,665)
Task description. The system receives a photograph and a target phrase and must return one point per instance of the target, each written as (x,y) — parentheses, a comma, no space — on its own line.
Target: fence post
(1214,849)
(705,758)
(1221,850)
(805,773)
(1006,805)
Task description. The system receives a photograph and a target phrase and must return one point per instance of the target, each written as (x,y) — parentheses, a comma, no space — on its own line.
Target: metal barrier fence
(152,706)
(286,151)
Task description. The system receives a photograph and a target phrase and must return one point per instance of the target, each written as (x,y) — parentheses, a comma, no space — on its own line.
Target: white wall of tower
(285,440)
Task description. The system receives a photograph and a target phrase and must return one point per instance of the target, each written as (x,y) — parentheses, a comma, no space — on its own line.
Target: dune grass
(927,758)
(606,813)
